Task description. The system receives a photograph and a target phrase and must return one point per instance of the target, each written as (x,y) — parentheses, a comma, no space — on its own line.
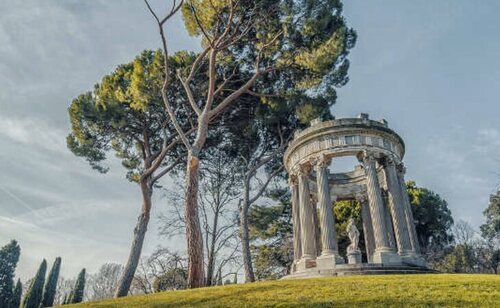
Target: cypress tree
(77,294)
(49,292)
(33,297)
(9,256)
(16,296)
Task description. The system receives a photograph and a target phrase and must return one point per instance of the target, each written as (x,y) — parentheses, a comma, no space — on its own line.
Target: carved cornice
(343,137)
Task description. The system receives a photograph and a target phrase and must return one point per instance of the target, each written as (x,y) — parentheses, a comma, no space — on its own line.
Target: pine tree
(33,297)
(49,292)
(77,293)
(16,296)
(9,256)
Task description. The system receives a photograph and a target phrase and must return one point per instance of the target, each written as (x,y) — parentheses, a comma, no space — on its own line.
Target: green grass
(358,291)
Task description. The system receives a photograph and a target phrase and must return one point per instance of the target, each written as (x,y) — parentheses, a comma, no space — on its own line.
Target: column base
(414,259)
(386,257)
(329,261)
(305,263)
(370,258)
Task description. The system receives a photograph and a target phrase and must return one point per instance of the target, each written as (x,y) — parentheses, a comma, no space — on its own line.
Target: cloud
(463,164)
(38,243)
(33,132)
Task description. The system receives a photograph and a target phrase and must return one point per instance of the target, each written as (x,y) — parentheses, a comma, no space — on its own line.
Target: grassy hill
(359,291)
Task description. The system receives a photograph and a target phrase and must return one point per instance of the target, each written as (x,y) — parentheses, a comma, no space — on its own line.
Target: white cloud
(38,243)
(33,132)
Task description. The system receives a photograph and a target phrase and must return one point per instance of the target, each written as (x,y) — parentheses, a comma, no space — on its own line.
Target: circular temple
(378,184)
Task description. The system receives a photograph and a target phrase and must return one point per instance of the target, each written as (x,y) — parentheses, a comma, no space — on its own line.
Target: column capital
(366,157)
(401,168)
(391,160)
(361,198)
(292,179)
(321,161)
(304,169)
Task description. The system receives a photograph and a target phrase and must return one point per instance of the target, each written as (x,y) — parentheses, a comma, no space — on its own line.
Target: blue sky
(430,68)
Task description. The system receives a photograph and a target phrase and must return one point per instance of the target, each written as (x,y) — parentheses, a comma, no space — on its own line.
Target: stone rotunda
(377,184)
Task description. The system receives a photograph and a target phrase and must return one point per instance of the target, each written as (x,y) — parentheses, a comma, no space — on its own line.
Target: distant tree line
(41,291)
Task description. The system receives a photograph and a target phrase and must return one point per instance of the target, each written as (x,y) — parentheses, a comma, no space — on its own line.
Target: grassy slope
(389,290)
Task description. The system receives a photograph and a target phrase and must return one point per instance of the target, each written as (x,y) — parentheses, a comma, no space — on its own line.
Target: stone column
(414,254)
(297,248)
(367,227)
(330,251)
(388,224)
(307,228)
(396,207)
(383,253)
(317,231)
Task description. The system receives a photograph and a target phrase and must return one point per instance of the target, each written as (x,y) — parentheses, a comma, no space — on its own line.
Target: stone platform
(360,269)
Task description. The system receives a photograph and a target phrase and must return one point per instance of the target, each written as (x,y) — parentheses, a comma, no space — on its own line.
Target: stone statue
(353,234)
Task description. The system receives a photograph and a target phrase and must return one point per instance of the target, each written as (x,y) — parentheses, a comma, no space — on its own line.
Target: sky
(430,68)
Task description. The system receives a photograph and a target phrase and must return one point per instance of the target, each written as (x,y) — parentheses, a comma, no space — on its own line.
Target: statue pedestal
(354,257)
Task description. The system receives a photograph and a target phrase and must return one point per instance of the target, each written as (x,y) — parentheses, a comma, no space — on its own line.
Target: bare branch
(224,83)
(166,170)
(264,186)
(189,94)
(233,96)
(228,26)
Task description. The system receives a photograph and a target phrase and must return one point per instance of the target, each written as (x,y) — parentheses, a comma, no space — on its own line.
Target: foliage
(305,43)
(49,292)
(343,210)
(153,267)
(9,256)
(491,228)
(270,235)
(467,254)
(124,114)
(428,290)
(16,295)
(77,293)
(172,279)
(433,220)
(33,297)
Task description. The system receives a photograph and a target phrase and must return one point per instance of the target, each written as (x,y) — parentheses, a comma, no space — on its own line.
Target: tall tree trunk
(245,238)
(139,234)
(193,229)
